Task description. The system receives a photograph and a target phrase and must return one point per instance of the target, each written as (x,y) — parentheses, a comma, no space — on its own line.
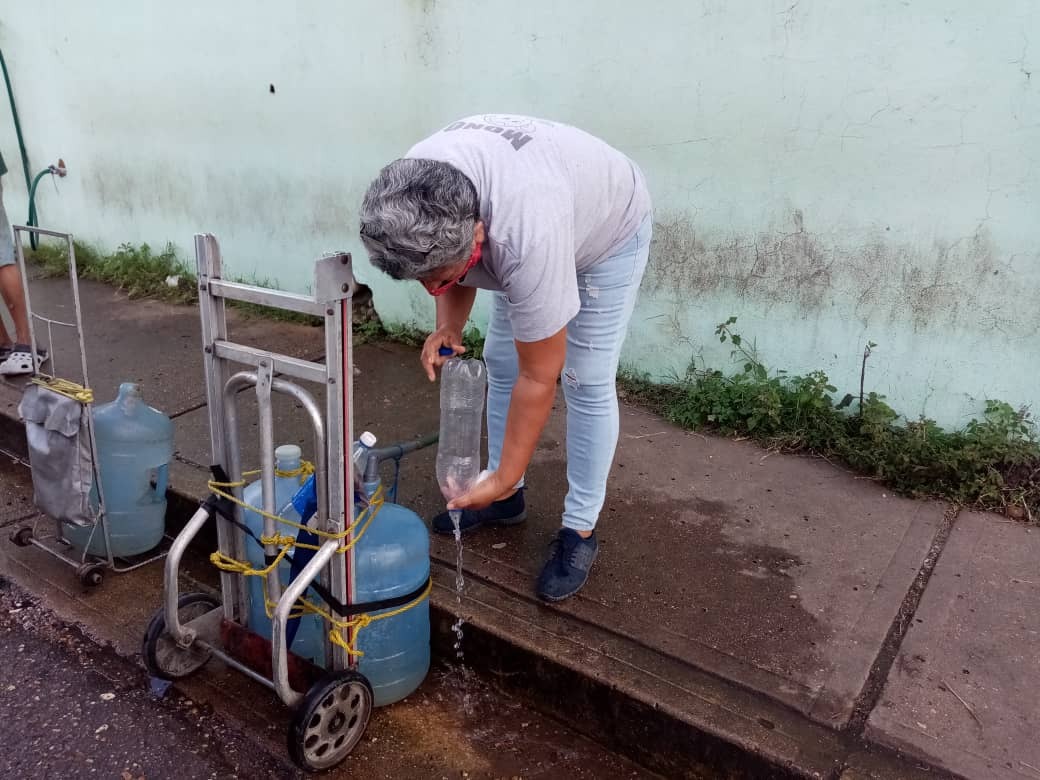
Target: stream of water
(460,583)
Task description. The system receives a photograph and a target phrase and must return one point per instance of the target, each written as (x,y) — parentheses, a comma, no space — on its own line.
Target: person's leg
(503,368)
(594,340)
(14,297)
(11,283)
(16,356)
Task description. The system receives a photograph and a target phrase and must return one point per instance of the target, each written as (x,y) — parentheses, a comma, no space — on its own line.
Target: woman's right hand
(431,359)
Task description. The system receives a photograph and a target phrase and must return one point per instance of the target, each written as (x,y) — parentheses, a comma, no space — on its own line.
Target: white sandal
(20,361)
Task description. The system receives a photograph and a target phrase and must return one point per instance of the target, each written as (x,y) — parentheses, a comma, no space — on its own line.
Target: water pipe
(33,221)
(394,452)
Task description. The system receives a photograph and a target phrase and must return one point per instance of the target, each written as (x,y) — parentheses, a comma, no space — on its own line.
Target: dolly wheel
(91,574)
(22,537)
(163,657)
(330,720)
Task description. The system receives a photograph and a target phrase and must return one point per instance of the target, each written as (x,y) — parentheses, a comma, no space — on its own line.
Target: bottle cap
(445,352)
(368,439)
(288,452)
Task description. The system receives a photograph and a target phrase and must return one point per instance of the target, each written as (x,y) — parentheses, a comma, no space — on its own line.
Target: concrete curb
(589,680)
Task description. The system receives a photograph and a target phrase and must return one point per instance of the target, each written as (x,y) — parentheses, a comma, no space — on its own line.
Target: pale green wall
(829,172)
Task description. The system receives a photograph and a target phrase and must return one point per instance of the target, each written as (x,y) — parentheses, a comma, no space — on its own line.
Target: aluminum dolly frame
(89,568)
(330,719)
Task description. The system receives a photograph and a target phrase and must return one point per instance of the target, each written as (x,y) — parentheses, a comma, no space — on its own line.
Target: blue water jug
(310,632)
(134,450)
(393,561)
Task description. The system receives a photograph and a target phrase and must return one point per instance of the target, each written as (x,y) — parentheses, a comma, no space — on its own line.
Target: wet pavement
(72,708)
(75,702)
(744,604)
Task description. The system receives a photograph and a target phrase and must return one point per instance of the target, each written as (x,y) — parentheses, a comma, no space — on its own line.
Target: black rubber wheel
(330,720)
(163,657)
(22,537)
(91,574)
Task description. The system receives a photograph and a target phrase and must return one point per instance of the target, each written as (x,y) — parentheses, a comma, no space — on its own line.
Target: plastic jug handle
(162,477)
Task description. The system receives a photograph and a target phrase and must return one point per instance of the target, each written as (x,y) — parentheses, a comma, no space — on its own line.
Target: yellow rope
(218,488)
(286,543)
(66,388)
(235,566)
(305,470)
(356,623)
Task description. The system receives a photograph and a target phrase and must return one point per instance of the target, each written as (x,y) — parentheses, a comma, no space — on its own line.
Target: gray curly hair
(418,216)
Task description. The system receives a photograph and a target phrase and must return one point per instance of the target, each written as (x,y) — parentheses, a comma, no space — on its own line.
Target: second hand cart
(79,501)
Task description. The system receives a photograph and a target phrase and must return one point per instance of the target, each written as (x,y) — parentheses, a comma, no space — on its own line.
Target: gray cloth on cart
(59,453)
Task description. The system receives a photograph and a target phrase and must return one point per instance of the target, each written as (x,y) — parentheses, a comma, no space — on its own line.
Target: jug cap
(288,452)
(129,399)
(129,389)
(368,439)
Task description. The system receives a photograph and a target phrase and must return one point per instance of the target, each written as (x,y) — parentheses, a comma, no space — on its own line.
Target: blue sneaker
(568,567)
(508,511)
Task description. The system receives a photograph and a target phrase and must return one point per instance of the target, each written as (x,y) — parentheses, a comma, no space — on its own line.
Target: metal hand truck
(331,717)
(91,510)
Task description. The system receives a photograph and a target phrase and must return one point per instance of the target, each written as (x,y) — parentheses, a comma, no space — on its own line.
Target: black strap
(226,509)
(349,610)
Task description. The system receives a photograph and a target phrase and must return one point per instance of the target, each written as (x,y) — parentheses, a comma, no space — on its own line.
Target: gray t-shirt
(555,201)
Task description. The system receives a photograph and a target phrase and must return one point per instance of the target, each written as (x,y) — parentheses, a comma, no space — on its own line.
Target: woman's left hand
(482,494)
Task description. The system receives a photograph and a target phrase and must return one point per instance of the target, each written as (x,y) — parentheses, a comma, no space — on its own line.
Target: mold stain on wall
(947,283)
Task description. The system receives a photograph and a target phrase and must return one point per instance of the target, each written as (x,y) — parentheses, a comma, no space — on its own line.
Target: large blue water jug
(393,560)
(134,450)
(309,640)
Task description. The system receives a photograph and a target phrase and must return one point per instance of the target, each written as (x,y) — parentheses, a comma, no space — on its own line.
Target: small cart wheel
(330,720)
(91,574)
(163,657)
(22,537)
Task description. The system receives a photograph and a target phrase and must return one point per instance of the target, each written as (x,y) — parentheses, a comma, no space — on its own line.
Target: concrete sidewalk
(749,613)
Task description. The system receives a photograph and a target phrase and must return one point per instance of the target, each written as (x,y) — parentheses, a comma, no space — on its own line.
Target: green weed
(143,273)
(992,463)
(140,271)
(412,336)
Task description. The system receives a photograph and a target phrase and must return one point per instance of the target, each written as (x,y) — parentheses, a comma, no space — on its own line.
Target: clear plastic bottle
(463,384)
(365,442)
(359,456)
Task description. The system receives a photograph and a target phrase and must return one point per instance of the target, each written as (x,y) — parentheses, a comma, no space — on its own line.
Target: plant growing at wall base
(413,336)
(992,463)
(143,273)
(139,270)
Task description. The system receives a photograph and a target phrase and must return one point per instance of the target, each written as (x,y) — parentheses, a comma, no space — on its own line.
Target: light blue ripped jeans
(594,337)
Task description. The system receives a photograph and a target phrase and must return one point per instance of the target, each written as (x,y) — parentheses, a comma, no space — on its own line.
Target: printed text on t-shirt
(516,137)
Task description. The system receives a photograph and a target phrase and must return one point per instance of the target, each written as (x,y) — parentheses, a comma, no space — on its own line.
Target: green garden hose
(17,124)
(33,221)
(30,186)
